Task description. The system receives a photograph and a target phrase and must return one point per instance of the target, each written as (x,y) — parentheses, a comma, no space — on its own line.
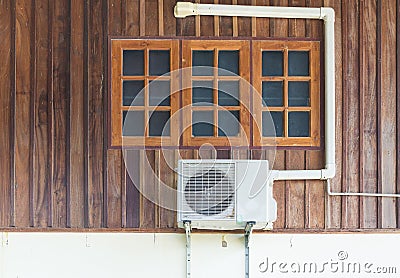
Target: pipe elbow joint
(328,172)
(184,9)
(327,14)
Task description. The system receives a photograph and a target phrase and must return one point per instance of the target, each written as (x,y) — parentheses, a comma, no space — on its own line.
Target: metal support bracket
(247,233)
(188,229)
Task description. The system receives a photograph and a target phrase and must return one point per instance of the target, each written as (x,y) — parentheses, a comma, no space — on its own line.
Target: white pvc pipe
(358,194)
(183,9)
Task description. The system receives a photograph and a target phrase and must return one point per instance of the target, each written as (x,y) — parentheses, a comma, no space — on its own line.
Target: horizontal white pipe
(358,194)
(183,9)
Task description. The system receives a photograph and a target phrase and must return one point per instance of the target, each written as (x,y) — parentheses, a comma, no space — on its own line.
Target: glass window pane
(202,93)
(228,60)
(228,123)
(202,123)
(133,62)
(298,63)
(133,93)
(272,63)
(299,93)
(133,123)
(203,62)
(159,123)
(159,62)
(272,93)
(299,124)
(159,93)
(272,124)
(228,93)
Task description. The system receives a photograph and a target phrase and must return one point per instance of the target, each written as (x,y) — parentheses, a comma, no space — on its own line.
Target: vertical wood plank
(398,107)
(147,189)
(216,22)
(262,26)
(60,128)
(5,112)
(368,113)
(42,122)
(132,15)
(351,175)
(295,192)
(244,23)
(235,26)
(169,18)
(132,188)
(167,189)
(161,17)
(279,26)
(151,18)
(142,17)
(387,131)
(225,22)
(280,191)
(334,204)
(24,86)
(114,219)
(95,114)
(207,22)
(77,179)
(115,17)
(315,190)
(114,157)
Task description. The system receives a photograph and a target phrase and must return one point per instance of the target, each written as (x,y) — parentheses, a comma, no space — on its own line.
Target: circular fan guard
(210,192)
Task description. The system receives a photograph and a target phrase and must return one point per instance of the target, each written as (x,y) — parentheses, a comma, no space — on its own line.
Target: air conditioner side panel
(254,195)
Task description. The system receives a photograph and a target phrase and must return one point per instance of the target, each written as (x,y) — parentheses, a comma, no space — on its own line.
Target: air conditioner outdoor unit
(225,194)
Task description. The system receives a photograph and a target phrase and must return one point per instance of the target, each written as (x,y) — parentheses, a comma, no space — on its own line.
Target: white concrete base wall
(163,255)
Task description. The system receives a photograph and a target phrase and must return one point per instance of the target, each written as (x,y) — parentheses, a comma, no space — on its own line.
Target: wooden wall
(57,172)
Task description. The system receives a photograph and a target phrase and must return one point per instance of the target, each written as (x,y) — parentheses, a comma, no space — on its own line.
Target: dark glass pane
(159,93)
(203,62)
(228,123)
(133,62)
(158,62)
(272,124)
(159,123)
(229,61)
(132,93)
(299,93)
(133,123)
(202,123)
(272,63)
(298,63)
(228,93)
(299,124)
(272,93)
(202,93)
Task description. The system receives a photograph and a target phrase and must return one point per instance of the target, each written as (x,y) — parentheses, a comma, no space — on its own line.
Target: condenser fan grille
(209,189)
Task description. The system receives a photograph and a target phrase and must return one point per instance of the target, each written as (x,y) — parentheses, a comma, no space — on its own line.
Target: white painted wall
(163,255)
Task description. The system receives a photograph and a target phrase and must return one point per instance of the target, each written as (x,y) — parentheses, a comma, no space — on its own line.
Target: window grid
(118,78)
(243,49)
(313,107)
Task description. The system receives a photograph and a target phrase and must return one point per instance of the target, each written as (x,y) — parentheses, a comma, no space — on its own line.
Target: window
(144,89)
(216,93)
(287,79)
(211,99)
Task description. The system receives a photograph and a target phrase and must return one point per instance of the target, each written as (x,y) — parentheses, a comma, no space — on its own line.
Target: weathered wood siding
(57,172)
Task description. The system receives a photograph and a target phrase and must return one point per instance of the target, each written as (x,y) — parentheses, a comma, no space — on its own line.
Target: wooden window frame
(243,47)
(117,78)
(314,78)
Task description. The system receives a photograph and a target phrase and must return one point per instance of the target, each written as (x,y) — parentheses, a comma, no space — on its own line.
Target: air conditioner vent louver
(209,189)
(209,192)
